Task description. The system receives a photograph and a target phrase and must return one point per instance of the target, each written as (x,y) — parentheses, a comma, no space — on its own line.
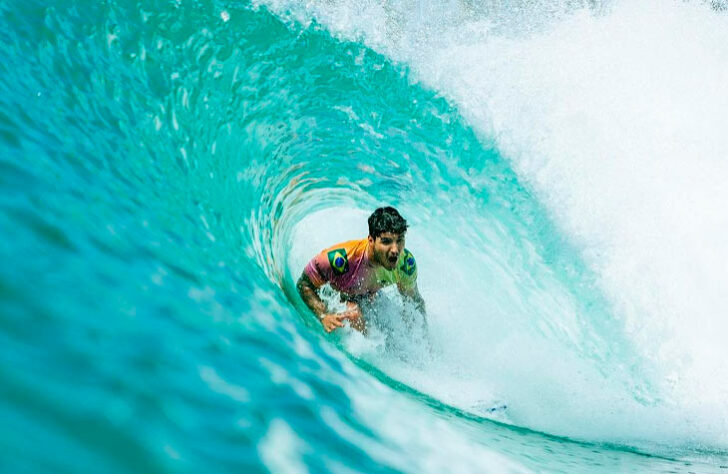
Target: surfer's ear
(371,240)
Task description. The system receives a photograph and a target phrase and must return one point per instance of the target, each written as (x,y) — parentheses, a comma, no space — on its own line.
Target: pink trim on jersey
(358,279)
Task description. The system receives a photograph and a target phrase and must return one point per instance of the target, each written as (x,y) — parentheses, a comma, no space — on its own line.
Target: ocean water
(168,167)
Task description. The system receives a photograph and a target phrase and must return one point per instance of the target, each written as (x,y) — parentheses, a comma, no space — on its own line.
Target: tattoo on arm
(419,301)
(309,295)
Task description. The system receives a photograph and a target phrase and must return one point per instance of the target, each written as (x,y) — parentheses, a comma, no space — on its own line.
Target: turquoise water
(166,169)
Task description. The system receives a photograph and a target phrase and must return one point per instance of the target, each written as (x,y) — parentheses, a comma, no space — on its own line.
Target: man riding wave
(360,268)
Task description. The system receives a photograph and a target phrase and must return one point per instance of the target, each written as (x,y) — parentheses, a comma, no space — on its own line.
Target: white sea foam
(615,118)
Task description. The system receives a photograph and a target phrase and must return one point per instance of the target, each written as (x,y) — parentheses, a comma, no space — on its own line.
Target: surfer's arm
(419,301)
(413,293)
(310,296)
(330,321)
(407,282)
(316,274)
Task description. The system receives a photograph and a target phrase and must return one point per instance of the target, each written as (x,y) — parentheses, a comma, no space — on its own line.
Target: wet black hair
(386,219)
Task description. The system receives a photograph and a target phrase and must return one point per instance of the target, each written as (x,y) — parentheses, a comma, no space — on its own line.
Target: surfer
(360,268)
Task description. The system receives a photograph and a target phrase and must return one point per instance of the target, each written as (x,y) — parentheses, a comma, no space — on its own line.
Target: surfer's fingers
(350,315)
(352,307)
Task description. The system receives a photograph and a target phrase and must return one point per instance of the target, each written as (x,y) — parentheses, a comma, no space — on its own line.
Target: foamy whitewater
(168,168)
(614,116)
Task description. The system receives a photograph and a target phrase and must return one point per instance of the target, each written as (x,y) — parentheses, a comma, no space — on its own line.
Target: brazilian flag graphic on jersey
(338,261)
(408,263)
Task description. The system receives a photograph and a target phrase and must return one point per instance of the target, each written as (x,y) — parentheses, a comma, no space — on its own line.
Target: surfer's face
(386,249)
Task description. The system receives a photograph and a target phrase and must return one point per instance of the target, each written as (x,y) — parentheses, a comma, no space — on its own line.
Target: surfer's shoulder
(351,247)
(338,256)
(407,263)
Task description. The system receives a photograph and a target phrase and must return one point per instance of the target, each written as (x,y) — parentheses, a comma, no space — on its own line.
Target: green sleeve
(407,271)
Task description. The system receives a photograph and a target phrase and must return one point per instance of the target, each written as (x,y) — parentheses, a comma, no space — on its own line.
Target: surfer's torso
(348,269)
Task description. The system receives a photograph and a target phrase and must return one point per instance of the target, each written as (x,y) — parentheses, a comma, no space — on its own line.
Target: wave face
(167,168)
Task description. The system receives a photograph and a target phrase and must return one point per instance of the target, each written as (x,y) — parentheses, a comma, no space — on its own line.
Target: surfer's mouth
(392,260)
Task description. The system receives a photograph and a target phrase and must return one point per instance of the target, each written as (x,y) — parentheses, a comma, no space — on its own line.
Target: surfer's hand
(332,321)
(354,315)
(353,311)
